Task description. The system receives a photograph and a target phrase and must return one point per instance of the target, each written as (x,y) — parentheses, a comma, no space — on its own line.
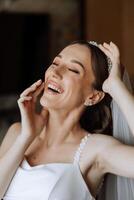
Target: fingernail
(39,80)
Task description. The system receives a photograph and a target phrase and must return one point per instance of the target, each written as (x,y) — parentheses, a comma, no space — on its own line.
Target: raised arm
(115,86)
(115,157)
(125,100)
(20,136)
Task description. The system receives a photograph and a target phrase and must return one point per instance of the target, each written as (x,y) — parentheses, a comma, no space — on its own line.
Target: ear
(95,98)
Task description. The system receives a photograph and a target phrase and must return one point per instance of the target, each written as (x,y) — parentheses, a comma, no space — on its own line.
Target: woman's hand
(117,70)
(31,122)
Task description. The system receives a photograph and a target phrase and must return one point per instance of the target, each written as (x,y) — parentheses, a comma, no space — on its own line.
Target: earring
(89,103)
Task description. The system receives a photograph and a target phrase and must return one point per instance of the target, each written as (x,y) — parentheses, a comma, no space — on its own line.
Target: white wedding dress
(52,181)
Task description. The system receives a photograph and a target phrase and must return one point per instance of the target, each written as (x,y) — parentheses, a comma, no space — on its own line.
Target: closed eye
(54,64)
(73,70)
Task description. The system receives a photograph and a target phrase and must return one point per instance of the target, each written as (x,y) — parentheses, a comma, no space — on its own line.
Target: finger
(37,83)
(39,90)
(31,89)
(22,102)
(108,47)
(106,51)
(27,91)
(116,49)
(22,99)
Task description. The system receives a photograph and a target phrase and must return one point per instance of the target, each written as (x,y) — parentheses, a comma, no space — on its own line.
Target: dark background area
(24,50)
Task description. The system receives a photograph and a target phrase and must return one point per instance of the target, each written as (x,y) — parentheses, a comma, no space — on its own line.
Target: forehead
(78,52)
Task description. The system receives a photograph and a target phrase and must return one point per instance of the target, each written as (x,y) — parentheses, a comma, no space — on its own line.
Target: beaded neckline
(82,144)
(76,158)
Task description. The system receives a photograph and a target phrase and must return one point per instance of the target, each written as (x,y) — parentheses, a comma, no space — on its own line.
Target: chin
(44,102)
(57,104)
(49,104)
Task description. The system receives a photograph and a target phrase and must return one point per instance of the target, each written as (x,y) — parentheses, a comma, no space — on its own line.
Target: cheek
(75,89)
(73,82)
(85,89)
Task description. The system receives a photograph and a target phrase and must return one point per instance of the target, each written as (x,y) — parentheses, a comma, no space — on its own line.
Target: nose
(58,71)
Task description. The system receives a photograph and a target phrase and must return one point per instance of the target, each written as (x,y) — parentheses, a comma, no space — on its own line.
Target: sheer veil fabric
(117,187)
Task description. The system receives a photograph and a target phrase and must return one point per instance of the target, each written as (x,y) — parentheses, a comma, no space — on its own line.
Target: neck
(60,128)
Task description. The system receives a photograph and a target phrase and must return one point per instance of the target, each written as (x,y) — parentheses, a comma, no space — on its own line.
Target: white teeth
(54,87)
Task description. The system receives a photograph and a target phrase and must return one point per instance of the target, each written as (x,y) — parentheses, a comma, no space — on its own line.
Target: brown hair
(97,118)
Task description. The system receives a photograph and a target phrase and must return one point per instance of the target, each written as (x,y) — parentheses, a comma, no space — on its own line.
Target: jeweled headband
(109,62)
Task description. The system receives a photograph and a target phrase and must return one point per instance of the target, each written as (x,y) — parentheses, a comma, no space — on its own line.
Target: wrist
(26,136)
(113,85)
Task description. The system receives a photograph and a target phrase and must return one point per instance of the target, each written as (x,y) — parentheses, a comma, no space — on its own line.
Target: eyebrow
(73,61)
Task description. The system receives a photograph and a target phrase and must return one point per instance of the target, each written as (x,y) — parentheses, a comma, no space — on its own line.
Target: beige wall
(112,21)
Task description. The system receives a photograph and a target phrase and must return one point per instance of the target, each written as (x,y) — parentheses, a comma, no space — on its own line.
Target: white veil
(117,187)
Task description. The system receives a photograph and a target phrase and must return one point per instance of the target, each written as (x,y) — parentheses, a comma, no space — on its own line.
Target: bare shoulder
(101,145)
(98,143)
(105,140)
(10,137)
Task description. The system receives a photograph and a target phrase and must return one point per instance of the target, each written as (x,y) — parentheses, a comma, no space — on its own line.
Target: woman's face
(68,79)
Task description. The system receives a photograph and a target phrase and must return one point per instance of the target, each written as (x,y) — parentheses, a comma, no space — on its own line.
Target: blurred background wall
(112,21)
(32,32)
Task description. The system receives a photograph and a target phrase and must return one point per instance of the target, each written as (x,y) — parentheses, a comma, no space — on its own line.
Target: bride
(59,154)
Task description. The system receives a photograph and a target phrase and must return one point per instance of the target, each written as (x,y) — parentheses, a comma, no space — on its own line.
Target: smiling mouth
(54,88)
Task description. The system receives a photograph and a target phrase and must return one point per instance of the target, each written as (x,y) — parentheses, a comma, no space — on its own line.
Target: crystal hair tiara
(109,62)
